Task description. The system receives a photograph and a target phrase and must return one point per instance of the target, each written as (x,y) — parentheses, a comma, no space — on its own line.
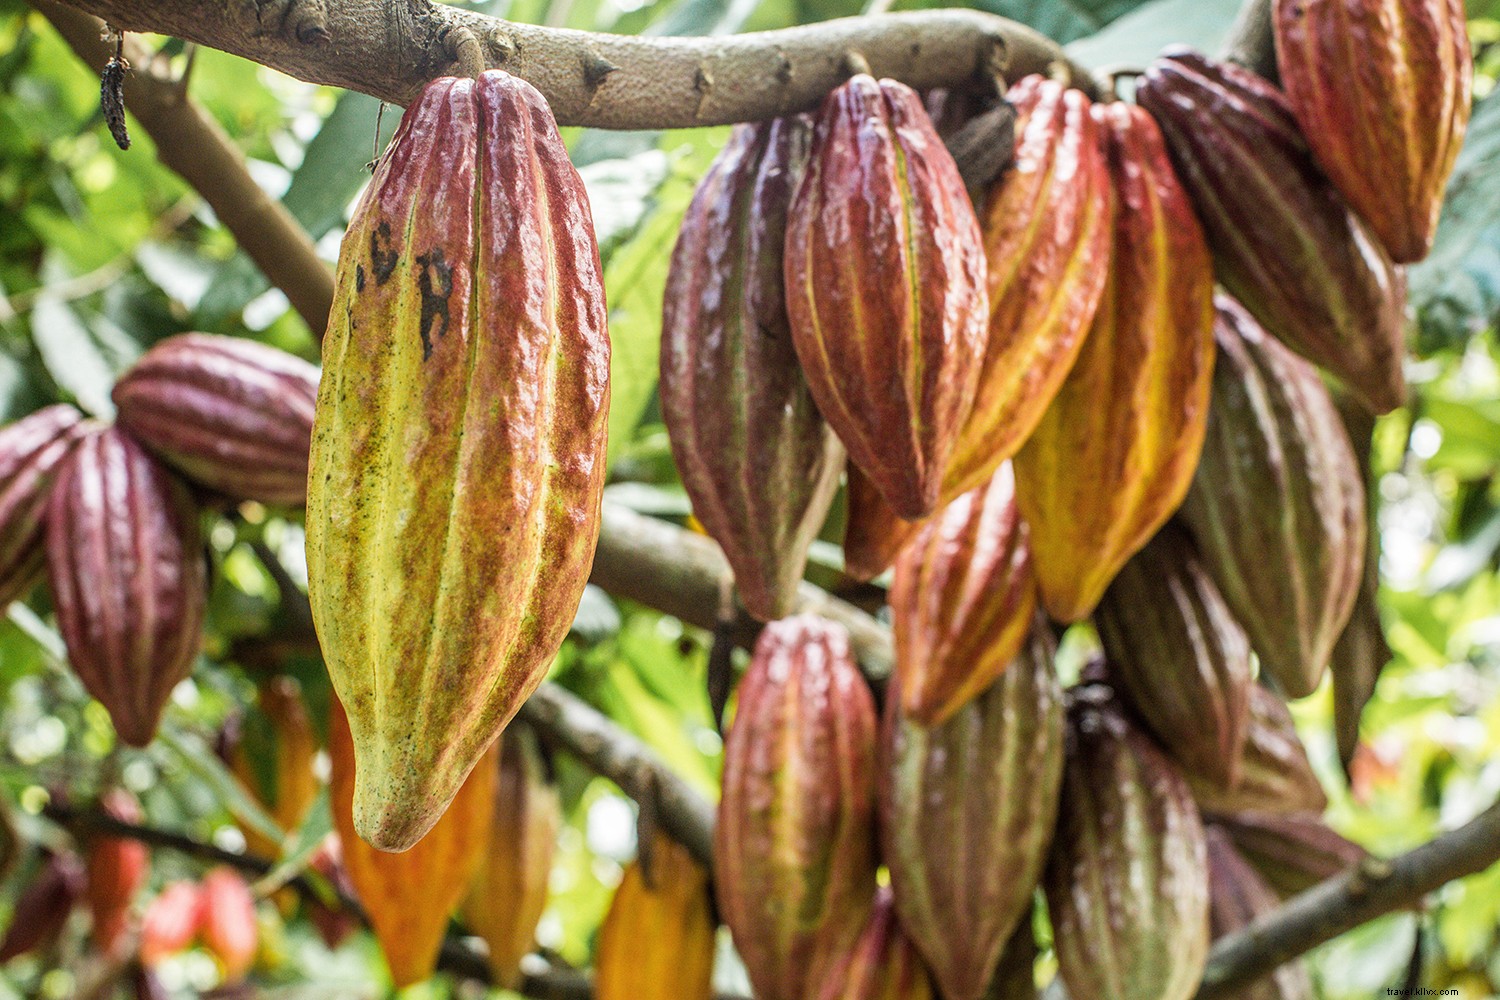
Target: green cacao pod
(982,785)
(892,364)
(117,868)
(1047,234)
(229,413)
(126,567)
(1178,657)
(757,460)
(883,964)
(873,533)
(1293,851)
(1115,452)
(1385,117)
(1284,242)
(458,448)
(962,600)
(1277,507)
(794,845)
(1237,896)
(1275,774)
(31,453)
(1127,880)
(657,940)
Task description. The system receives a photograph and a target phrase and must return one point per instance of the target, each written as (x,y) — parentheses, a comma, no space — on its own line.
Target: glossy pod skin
(458,450)
(657,940)
(31,453)
(892,364)
(873,533)
(756,458)
(883,964)
(228,413)
(1284,242)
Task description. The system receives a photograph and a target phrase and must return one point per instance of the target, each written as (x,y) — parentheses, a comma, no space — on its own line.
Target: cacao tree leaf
(188,753)
(1138,36)
(298,851)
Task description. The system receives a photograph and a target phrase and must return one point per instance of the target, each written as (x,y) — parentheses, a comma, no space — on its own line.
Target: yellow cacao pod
(657,942)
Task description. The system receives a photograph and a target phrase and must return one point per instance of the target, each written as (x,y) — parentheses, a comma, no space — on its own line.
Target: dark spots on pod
(383,256)
(435,282)
(359,277)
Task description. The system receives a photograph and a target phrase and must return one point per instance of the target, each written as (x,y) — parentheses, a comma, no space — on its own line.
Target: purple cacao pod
(43,906)
(1294,851)
(31,453)
(1275,774)
(1237,896)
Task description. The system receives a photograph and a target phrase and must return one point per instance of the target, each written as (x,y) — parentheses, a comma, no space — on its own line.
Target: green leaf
(1136,38)
(298,851)
(189,752)
(74,357)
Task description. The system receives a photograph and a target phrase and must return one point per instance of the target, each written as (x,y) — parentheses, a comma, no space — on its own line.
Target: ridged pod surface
(1127,880)
(873,533)
(882,965)
(508,892)
(408,896)
(458,450)
(1293,852)
(229,413)
(1113,455)
(794,845)
(227,922)
(962,601)
(1047,233)
(885,284)
(756,458)
(657,940)
(1178,657)
(1382,90)
(117,868)
(1237,896)
(966,816)
(43,906)
(31,453)
(275,758)
(125,562)
(1284,242)
(1275,774)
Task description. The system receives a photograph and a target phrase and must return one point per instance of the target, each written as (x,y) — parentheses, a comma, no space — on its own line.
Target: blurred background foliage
(104,252)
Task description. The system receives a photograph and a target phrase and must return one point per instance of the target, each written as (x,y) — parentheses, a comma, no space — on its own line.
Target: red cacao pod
(171,921)
(1284,242)
(873,533)
(756,458)
(229,413)
(892,364)
(117,868)
(882,965)
(1277,505)
(983,784)
(43,907)
(227,923)
(125,561)
(1178,657)
(458,448)
(1046,225)
(1292,851)
(1127,881)
(31,454)
(794,845)
(1113,455)
(962,601)
(276,758)
(1381,89)
(657,940)
(1237,896)
(1275,774)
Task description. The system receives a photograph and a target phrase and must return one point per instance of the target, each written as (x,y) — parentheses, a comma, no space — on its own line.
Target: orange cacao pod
(657,940)
(1113,455)
(1275,774)
(873,533)
(117,868)
(43,907)
(171,921)
(31,454)
(1381,89)
(882,965)
(892,364)
(1237,896)
(1292,851)
(227,921)
(275,759)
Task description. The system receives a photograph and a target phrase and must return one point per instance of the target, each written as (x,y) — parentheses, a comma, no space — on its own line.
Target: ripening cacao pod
(1178,657)
(886,288)
(1047,232)
(43,907)
(125,562)
(334,922)
(1127,880)
(228,413)
(1237,896)
(1293,851)
(117,868)
(794,845)
(1284,242)
(275,758)
(409,895)
(873,532)
(657,940)
(982,785)
(1275,774)
(758,462)
(227,923)
(171,921)
(508,892)
(31,454)
(1015,976)
(1277,507)
(1381,89)
(1113,455)
(882,965)
(962,600)
(458,448)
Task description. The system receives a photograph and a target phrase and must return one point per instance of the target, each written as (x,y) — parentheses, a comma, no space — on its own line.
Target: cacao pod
(1275,774)
(873,533)
(228,413)
(31,454)
(145,985)
(794,845)
(508,893)
(1284,242)
(43,907)
(758,462)
(1015,976)
(1293,852)
(334,923)
(408,896)
(125,561)
(1127,880)
(982,785)
(1277,505)
(962,600)
(892,364)
(883,964)
(1047,233)
(1178,657)
(1113,455)
(657,940)
(171,921)
(117,868)
(458,447)
(1237,896)
(275,759)
(227,922)
(1381,89)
